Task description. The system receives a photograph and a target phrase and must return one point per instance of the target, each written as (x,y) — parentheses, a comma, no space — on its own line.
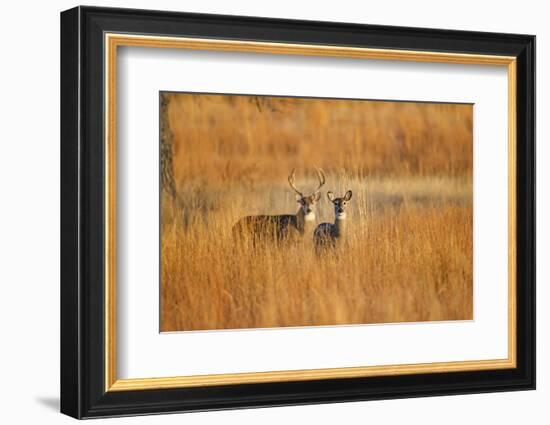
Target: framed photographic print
(261,212)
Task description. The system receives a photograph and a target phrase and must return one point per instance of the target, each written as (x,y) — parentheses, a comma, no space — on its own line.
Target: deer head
(340,204)
(307,202)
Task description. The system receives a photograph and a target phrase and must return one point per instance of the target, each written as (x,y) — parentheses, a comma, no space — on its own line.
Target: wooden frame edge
(114,40)
(512,211)
(306,375)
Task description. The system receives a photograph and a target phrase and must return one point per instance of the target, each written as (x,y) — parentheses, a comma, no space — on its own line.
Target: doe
(326,234)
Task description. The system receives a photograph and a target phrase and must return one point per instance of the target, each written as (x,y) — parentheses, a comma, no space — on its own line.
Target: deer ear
(298,198)
(347,196)
(330,196)
(317,196)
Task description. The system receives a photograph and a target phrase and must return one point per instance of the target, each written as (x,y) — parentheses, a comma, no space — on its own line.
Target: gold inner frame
(113,41)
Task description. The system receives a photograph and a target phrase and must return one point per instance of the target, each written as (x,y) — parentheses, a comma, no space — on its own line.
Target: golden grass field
(408,256)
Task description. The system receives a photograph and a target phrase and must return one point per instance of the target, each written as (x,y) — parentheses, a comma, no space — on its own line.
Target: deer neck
(340,225)
(305,222)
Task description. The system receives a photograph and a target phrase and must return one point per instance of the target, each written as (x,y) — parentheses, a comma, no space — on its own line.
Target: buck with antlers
(326,234)
(281,227)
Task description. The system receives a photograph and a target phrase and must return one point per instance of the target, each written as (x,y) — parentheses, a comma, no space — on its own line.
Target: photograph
(280,211)
(285,210)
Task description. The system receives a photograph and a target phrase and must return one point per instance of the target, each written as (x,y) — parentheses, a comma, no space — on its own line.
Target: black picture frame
(82,218)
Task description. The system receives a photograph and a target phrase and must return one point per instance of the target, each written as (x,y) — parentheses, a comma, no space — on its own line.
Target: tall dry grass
(408,258)
(409,252)
(220,140)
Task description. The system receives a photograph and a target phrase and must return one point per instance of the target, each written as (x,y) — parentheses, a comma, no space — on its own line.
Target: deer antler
(321,176)
(291,182)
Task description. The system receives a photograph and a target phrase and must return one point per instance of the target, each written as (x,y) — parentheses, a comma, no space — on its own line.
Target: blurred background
(225,139)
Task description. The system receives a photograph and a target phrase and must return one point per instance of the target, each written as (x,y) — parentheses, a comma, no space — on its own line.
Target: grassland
(409,254)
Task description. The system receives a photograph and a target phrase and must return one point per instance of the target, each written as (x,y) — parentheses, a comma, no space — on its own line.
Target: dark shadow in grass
(49,402)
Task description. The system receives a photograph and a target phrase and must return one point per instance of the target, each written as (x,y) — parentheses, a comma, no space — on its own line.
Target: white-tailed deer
(326,234)
(281,227)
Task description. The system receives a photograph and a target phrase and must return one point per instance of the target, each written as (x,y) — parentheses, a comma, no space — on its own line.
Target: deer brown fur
(285,226)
